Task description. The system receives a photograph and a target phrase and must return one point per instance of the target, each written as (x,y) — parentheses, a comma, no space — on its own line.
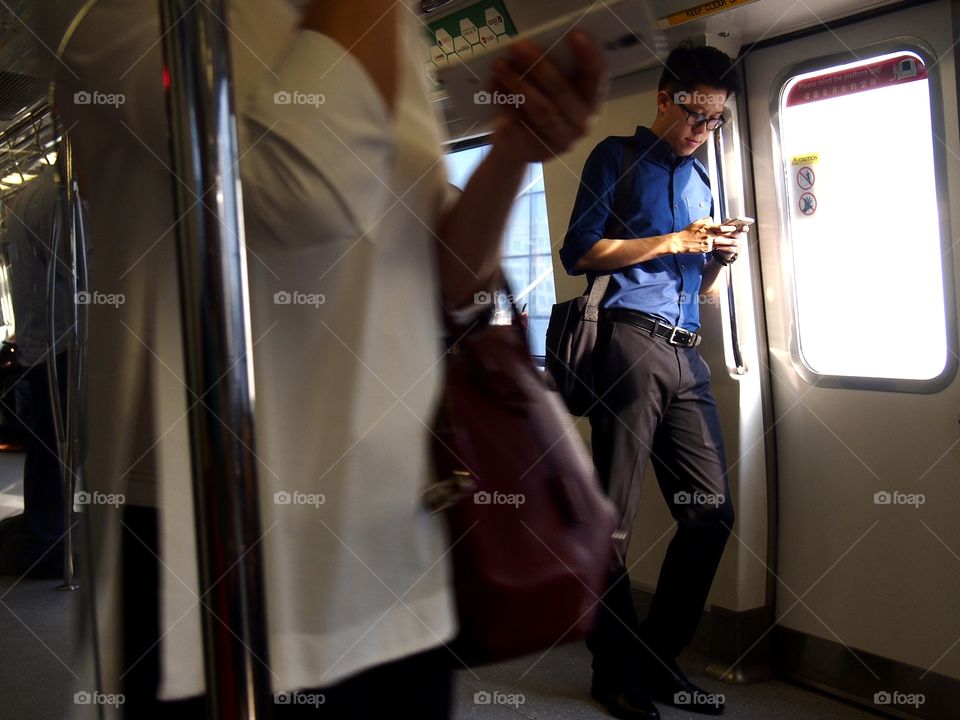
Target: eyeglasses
(694,119)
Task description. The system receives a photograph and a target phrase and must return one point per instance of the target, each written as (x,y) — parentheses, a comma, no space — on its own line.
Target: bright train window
(527,260)
(857,148)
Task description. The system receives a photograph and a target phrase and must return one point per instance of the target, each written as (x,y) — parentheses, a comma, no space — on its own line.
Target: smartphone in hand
(615,26)
(739,222)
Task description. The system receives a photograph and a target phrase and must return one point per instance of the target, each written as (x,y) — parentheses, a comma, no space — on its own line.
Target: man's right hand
(697,237)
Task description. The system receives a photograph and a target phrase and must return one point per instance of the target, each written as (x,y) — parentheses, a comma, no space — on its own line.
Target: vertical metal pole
(80,285)
(731,299)
(217,357)
(66,422)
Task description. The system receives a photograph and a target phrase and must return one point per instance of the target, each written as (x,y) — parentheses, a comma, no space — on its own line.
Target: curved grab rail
(731,300)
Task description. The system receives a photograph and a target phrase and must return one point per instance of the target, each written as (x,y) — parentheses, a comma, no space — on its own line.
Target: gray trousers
(656,405)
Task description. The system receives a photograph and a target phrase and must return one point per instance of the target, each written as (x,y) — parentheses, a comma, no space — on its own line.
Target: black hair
(688,66)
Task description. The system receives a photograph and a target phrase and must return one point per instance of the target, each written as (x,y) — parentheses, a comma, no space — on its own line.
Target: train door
(856,163)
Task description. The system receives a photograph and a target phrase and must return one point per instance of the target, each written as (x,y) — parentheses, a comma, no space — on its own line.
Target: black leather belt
(675,335)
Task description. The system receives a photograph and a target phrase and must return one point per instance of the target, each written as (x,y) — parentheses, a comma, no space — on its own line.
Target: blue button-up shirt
(668,193)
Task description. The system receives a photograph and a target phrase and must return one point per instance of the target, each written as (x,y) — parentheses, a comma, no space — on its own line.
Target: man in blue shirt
(661,248)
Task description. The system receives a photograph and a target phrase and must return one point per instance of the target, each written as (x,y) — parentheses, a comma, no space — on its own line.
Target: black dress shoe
(625,700)
(669,685)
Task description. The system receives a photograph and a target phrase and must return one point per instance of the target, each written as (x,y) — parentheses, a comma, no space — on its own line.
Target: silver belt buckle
(673,335)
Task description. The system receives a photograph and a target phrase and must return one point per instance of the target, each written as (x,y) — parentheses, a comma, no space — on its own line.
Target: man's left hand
(726,245)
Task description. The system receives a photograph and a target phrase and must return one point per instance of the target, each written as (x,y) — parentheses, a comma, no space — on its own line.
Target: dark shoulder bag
(572,330)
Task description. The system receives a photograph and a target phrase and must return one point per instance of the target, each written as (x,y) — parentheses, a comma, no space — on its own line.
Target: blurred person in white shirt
(347,210)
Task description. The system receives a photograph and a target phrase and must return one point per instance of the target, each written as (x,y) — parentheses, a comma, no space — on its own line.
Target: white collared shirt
(341,200)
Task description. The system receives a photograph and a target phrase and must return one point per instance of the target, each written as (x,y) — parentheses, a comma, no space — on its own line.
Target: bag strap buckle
(444,494)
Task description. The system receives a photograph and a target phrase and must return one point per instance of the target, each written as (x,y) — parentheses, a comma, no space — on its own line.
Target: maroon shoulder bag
(530,529)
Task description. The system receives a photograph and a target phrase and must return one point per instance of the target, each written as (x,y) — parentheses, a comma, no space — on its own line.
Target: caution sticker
(699,12)
(808,159)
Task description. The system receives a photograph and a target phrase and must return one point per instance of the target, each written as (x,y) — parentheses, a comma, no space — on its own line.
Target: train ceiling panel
(753,20)
(25,65)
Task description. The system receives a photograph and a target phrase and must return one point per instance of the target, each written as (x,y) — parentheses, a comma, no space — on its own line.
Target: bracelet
(468,314)
(482,306)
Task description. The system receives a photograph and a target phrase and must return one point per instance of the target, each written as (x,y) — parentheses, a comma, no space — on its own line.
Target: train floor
(41,665)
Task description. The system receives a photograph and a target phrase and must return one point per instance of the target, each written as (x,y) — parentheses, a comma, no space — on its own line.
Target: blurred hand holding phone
(614,26)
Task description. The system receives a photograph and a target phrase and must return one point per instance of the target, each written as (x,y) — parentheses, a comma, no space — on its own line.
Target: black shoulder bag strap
(624,184)
(702,172)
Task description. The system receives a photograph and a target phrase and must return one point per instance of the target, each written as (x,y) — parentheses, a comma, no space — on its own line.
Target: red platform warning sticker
(892,71)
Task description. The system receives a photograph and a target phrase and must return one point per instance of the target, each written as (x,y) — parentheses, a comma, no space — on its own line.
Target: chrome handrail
(219,371)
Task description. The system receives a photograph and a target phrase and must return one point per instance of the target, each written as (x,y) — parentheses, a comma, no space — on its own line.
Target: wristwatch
(720,259)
